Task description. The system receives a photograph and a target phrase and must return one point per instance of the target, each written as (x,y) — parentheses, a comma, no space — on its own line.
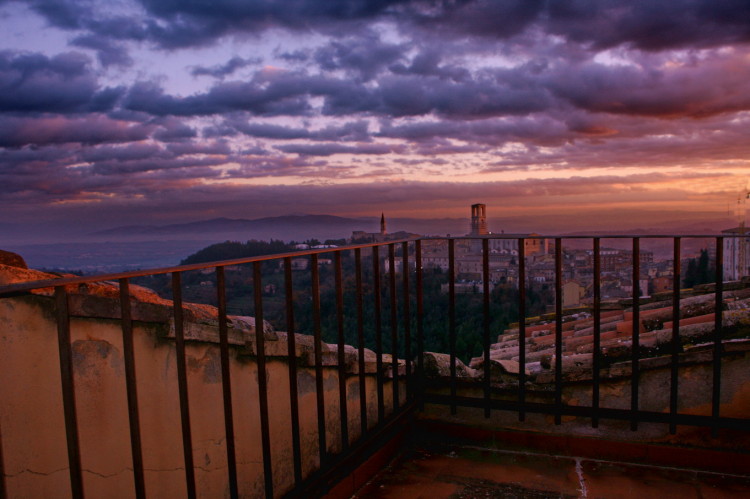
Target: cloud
(652,25)
(91,129)
(675,88)
(173,130)
(374,90)
(427,63)
(331,149)
(351,131)
(226,69)
(109,53)
(364,55)
(226,97)
(642,24)
(32,82)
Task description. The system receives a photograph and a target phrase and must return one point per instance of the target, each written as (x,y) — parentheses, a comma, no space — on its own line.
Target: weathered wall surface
(32,421)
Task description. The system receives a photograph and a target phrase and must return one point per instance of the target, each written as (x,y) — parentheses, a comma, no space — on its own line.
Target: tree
(699,271)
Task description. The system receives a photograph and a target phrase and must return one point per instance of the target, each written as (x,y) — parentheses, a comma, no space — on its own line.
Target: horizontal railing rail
(402,295)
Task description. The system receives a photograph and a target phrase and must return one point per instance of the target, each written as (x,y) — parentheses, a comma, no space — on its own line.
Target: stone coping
(101,300)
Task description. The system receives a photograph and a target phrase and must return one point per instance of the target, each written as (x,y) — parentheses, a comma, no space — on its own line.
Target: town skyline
(152,112)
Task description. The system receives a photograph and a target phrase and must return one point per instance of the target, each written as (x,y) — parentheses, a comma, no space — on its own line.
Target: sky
(161,111)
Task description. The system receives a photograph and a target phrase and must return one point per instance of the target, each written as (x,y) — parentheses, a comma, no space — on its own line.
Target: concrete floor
(471,472)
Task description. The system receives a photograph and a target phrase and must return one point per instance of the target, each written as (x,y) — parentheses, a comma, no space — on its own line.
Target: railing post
(378,333)
(131,389)
(68,391)
(597,333)
(317,333)
(260,351)
(676,342)
(635,341)
(420,330)
(292,362)
(521,329)
(394,323)
(226,382)
(407,319)
(718,309)
(486,322)
(360,343)
(343,415)
(558,331)
(452,320)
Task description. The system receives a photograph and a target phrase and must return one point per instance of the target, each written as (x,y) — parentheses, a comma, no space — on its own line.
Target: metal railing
(406,314)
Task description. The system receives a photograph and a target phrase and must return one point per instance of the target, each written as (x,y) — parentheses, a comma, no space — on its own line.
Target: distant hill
(285,228)
(220,225)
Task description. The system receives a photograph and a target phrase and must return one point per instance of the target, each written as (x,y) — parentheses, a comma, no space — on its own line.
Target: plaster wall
(695,381)
(32,421)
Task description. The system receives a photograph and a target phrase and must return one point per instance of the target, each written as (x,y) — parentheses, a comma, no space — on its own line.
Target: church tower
(382,224)
(478,220)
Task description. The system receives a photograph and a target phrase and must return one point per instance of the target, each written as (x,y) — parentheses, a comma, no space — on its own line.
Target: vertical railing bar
(68,392)
(378,332)
(360,343)
(343,415)
(718,308)
(293,388)
(179,335)
(394,323)
(521,328)
(676,342)
(226,382)
(131,389)
(317,332)
(452,319)
(558,331)
(486,322)
(407,318)
(420,325)
(260,351)
(635,343)
(597,332)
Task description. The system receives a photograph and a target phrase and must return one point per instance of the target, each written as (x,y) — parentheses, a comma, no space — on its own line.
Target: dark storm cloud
(351,131)
(92,129)
(603,23)
(480,78)
(214,148)
(287,93)
(137,151)
(538,128)
(428,63)
(148,153)
(224,70)
(651,25)
(330,149)
(485,17)
(284,99)
(172,129)
(156,164)
(364,55)
(109,53)
(63,83)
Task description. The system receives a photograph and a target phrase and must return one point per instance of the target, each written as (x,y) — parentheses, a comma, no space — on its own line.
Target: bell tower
(478,220)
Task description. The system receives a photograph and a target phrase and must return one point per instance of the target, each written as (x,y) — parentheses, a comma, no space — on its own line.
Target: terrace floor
(460,471)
